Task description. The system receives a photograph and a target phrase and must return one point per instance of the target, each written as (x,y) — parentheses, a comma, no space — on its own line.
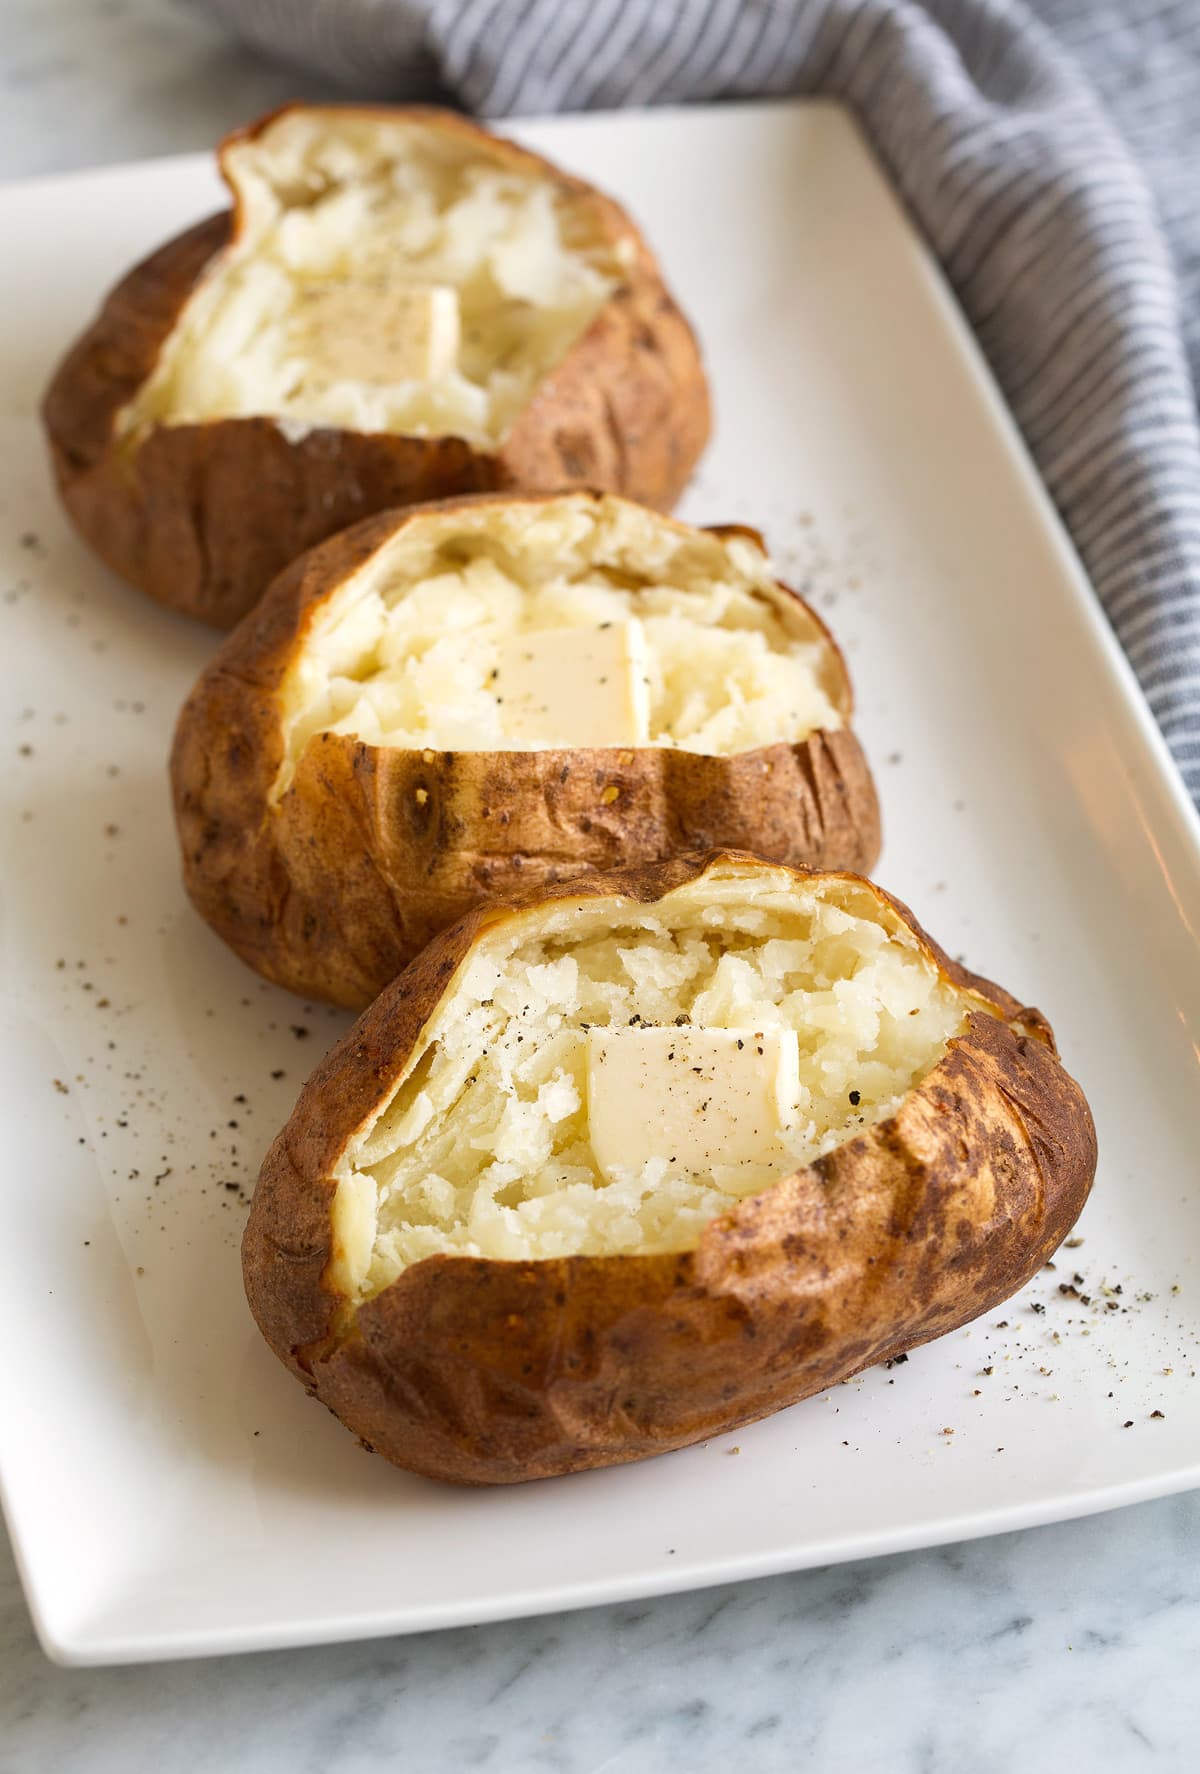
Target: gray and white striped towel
(1047,147)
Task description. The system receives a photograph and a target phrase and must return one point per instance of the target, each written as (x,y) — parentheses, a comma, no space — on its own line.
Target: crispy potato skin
(486,1372)
(415,839)
(202,517)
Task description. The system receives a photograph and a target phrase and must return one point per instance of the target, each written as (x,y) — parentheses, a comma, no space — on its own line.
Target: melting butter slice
(576,686)
(700,1098)
(376,332)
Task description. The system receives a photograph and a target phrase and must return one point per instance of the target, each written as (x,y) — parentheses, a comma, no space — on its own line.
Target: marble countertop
(1043,1650)
(1052,1650)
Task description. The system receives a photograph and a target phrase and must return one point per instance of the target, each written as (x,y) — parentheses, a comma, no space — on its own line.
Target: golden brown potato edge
(422,836)
(203,516)
(484,1372)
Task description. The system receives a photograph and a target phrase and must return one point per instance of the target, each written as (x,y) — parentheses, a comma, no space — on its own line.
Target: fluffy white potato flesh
(390,276)
(417,649)
(496,1142)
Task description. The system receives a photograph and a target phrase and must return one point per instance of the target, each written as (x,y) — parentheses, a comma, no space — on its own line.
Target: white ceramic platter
(169,1489)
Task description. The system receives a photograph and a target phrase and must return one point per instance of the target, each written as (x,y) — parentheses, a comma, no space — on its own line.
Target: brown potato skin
(371,851)
(485,1372)
(202,517)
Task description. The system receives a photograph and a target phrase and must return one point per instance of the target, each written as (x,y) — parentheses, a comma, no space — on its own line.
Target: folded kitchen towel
(1050,150)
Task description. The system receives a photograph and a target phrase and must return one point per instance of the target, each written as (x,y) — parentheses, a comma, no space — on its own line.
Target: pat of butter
(576,686)
(696,1097)
(375,331)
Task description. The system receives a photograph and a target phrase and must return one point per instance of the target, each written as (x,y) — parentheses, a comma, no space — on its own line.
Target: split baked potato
(474,700)
(651,1157)
(399,307)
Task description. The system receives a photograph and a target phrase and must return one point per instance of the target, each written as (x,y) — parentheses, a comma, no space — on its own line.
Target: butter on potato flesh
(376,332)
(369,202)
(821,960)
(699,1098)
(410,651)
(585,686)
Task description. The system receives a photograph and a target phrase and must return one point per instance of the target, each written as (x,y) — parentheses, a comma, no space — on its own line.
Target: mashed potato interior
(410,652)
(355,225)
(484,1147)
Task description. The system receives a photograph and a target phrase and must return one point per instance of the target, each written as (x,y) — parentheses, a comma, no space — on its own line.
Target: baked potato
(399,307)
(648,1158)
(476,699)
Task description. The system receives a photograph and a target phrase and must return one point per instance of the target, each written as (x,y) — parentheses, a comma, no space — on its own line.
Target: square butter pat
(576,686)
(377,332)
(696,1097)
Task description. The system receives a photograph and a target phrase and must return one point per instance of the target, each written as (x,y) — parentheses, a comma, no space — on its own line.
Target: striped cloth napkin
(1050,149)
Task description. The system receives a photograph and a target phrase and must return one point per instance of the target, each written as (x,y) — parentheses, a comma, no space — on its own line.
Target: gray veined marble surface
(1060,1648)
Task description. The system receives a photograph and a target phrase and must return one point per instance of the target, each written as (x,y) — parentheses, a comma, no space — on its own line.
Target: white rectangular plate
(170,1490)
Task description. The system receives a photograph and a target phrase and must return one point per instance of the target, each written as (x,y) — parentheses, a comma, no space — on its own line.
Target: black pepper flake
(278,1073)
(855,1098)
(1128,1425)
(1159,1414)
(299,1031)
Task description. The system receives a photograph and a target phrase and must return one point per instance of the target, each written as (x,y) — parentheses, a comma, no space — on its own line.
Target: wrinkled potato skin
(333,889)
(202,517)
(485,1372)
